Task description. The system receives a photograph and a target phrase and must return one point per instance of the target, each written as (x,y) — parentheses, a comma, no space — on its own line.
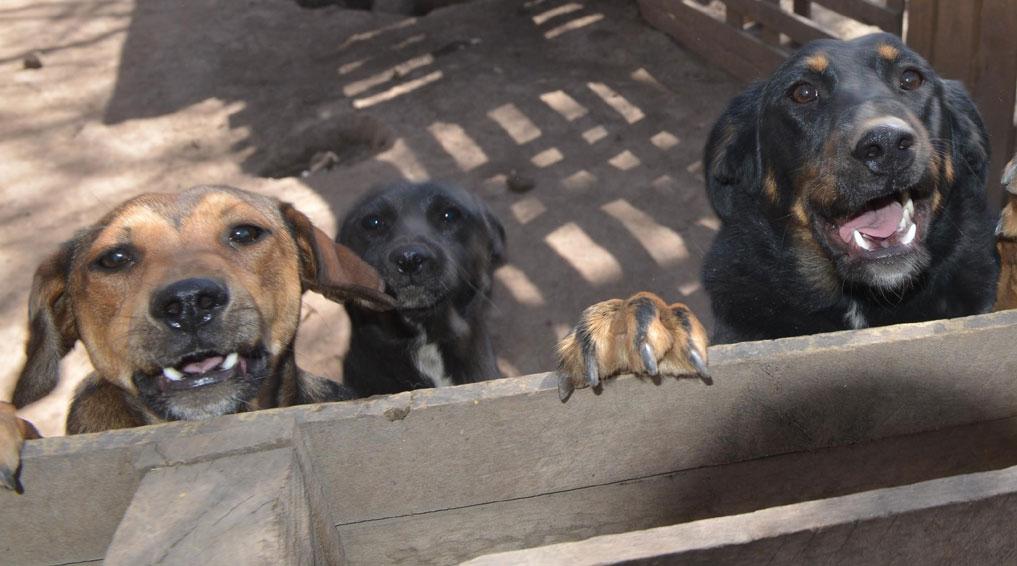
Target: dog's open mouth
(884,227)
(202,369)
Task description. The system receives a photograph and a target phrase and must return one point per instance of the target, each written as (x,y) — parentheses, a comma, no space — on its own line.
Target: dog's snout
(886,148)
(411,259)
(189,303)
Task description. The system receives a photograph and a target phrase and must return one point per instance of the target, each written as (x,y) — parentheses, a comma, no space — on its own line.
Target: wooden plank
(866,12)
(798,28)
(957,29)
(246,509)
(957,520)
(769,34)
(72,504)
(91,478)
(737,52)
(730,62)
(676,498)
(768,398)
(436,451)
(922,15)
(733,17)
(994,85)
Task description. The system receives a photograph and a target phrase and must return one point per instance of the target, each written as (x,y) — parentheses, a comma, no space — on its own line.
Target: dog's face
(855,146)
(189,299)
(427,242)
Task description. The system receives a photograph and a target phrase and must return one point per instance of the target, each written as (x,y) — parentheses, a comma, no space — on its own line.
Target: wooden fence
(972,40)
(438,476)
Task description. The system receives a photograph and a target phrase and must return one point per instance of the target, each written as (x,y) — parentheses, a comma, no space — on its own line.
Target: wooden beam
(867,12)
(737,52)
(956,520)
(506,463)
(680,497)
(799,28)
(244,509)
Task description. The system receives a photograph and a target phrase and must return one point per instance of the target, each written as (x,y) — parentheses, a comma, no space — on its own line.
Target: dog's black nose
(410,259)
(189,303)
(886,148)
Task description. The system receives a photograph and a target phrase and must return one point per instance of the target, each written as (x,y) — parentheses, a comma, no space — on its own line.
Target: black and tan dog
(435,246)
(188,306)
(851,190)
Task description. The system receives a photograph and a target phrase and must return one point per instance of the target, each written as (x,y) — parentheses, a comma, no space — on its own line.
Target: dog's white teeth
(230,361)
(860,241)
(904,221)
(909,236)
(909,207)
(172,374)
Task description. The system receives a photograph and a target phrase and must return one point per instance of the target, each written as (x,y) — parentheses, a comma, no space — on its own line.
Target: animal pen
(883,445)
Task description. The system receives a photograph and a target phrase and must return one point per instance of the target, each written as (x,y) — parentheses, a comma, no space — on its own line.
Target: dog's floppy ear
(730,160)
(969,139)
(51,328)
(495,236)
(332,269)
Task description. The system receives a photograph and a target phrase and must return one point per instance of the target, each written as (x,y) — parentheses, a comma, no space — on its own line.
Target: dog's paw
(13,433)
(641,335)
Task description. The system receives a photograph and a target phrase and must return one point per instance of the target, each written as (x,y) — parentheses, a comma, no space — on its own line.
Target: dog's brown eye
(372,222)
(245,234)
(911,79)
(803,93)
(115,259)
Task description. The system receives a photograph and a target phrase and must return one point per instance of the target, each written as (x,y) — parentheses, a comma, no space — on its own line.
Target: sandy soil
(605,115)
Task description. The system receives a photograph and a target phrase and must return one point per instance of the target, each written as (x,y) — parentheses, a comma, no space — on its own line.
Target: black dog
(851,190)
(851,186)
(435,247)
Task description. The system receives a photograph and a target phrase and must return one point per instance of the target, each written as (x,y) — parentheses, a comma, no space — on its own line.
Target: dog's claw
(697,361)
(592,372)
(565,386)
(649,358)
(9,480)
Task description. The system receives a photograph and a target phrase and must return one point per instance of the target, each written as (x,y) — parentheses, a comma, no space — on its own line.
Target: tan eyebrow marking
(887,51)
(818,62)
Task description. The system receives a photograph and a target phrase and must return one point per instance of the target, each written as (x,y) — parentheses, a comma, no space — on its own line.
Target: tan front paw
(13,433)
(641,335)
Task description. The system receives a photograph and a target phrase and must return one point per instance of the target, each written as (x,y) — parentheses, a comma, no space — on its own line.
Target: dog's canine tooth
(172,374)
(860,241)
(230,361)
(904,222)
(909,236)
(909,207)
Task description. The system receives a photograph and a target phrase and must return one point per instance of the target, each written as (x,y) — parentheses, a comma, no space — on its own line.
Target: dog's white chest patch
(428,360)
(854,317)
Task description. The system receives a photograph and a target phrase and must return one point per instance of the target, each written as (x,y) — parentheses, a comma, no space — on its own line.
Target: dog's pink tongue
(204,365)
(879,222)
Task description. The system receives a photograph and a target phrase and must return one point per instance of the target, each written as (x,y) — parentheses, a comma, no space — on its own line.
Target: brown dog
(188,307)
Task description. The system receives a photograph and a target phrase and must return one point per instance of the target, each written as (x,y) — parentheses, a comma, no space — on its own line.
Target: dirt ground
(605,115)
